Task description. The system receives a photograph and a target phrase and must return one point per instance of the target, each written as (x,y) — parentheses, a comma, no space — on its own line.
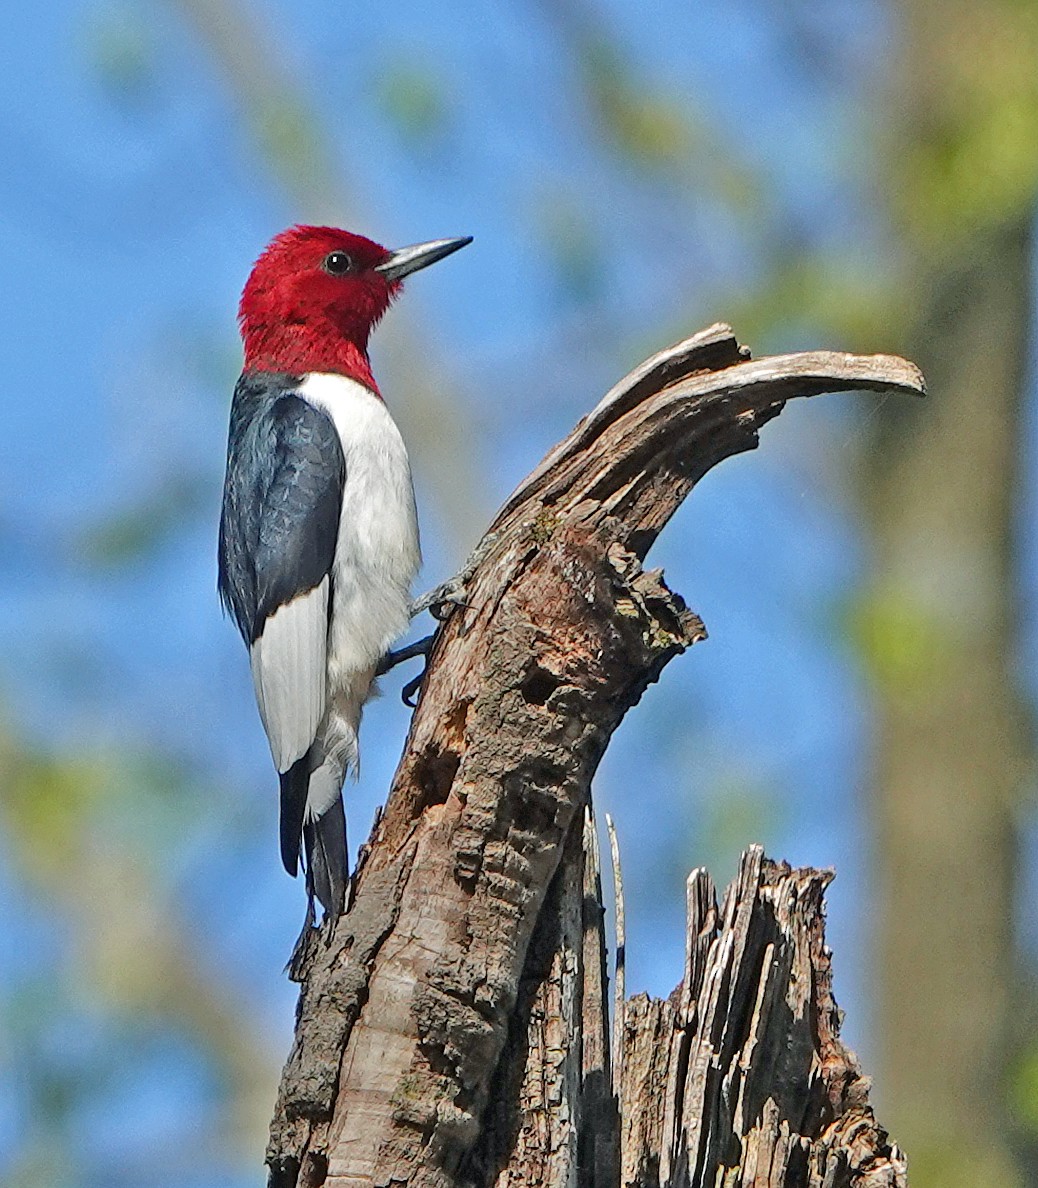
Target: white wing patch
(289,672)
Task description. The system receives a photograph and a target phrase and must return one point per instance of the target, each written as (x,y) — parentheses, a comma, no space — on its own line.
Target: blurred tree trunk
(952,742)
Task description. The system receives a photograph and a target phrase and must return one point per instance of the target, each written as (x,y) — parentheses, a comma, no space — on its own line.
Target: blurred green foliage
(652,131)
(903,643)
(91,834)
(287,136)
(136,533)
(849,295)
(971,121)
(414,99)
(121,47)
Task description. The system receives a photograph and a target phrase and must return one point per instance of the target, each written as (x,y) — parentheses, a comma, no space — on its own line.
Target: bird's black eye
(338,263)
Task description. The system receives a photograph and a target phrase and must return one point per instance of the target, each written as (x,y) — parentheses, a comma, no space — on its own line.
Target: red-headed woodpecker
(318,533)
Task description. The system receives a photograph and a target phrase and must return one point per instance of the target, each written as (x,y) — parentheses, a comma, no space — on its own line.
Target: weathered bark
(413,1010)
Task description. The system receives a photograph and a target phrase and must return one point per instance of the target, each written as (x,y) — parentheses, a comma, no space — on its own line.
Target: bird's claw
(408,652)
(442,601)
(408,694)
(420,647)
(443,608)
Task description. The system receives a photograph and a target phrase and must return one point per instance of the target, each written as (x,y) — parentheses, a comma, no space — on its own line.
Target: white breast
(377,553)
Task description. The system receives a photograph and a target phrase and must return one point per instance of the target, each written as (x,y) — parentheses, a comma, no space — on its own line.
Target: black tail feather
(294,785)
(327,865)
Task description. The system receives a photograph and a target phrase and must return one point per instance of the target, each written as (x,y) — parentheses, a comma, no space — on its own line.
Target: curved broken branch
(406,1007)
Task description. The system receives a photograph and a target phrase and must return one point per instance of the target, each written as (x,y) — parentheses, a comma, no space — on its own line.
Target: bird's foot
(409,693)
(391,659)
(398,655)
(442,601)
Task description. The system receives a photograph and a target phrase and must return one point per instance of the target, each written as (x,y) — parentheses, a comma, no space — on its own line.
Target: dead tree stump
(452,1029)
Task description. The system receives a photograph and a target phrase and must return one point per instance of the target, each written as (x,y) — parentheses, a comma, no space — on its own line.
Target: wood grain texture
(410,1008)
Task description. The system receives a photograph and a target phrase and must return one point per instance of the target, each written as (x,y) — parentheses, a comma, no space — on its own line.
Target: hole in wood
(434,774)
(538,685)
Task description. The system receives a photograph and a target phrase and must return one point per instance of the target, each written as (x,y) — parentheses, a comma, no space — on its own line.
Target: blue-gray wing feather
(281,503)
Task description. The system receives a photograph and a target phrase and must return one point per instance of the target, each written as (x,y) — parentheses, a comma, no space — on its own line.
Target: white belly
(377,554)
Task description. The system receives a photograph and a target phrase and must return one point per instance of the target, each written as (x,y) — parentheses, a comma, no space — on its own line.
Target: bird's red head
(315,294)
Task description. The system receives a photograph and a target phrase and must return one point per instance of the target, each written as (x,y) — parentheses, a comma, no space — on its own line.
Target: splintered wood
(452,1028)
(739,1079)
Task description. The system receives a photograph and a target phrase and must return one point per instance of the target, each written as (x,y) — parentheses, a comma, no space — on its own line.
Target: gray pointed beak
(406,260)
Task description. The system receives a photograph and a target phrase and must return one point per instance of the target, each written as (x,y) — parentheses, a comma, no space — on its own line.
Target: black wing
(281,502)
